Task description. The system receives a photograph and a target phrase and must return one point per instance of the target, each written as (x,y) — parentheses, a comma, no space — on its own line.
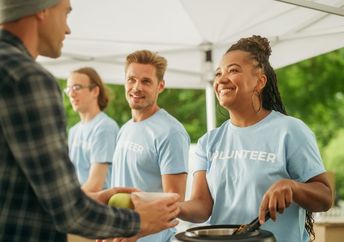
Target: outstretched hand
(156,215)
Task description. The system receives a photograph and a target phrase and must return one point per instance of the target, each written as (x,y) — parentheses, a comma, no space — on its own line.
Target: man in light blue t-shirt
(91,141)
(152,148)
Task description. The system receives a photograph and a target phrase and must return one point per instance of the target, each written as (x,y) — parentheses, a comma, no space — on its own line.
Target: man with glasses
(91,141)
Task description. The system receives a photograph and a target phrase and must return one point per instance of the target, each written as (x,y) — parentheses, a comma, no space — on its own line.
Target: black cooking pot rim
(223,226)
(262,235)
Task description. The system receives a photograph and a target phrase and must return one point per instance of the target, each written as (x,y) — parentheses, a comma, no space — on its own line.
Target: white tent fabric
(183,31)
(104,32)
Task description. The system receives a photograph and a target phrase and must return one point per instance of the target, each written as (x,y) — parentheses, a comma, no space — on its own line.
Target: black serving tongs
(254,225)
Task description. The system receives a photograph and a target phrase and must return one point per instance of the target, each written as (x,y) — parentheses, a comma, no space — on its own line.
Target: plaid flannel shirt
(40,197)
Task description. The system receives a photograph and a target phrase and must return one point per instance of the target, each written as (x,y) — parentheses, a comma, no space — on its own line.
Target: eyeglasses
(76,88)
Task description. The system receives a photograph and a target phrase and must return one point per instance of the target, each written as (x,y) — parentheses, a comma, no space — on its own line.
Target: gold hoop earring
(257,94)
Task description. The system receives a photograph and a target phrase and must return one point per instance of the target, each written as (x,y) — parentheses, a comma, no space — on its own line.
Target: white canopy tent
(194,34)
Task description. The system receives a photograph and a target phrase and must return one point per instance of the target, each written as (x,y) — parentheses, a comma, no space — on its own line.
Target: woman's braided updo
(259,49)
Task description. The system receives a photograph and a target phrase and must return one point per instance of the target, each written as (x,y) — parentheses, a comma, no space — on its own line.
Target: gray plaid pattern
(40,196)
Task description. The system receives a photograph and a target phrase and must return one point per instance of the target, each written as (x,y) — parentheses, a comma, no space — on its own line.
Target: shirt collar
(13,40)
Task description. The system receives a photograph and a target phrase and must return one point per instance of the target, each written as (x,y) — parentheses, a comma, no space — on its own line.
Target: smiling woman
(258,129)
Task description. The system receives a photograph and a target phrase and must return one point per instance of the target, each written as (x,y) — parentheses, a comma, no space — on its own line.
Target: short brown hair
(96,81)
(148,57)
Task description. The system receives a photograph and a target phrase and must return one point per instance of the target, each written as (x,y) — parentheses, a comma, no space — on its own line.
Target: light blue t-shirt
(146,150)
(92,142)
(242,163)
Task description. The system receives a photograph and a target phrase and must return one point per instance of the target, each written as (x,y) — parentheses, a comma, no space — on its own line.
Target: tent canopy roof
(181,30)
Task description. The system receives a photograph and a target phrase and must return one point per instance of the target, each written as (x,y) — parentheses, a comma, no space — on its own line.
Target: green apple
(121,200)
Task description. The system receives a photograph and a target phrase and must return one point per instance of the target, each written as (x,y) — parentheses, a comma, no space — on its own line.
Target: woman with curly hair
(260,159)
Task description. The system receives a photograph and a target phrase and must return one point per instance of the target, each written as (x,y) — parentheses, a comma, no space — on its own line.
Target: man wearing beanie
(40,196)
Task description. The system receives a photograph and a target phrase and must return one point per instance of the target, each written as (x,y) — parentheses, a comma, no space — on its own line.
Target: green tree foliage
(312,90)
(188,106)
(334,160)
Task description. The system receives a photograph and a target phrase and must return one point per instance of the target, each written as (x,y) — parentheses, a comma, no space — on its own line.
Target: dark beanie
(11,10)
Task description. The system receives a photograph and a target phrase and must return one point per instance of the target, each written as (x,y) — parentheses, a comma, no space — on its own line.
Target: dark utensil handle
(267,215)
(255,223)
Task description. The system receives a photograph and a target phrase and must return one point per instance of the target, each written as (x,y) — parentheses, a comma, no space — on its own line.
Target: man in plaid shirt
(40,197)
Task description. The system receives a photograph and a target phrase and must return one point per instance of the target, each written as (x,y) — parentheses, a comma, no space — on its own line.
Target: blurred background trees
(312,90)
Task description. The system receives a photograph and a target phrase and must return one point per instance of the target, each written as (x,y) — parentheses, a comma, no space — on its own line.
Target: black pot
(216,233)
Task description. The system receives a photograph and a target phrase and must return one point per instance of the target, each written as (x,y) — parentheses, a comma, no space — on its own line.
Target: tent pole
(210,105)
(316,6)
(208,76)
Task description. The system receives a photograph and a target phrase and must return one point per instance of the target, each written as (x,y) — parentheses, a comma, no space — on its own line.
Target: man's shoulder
(169,119)
(169,126)
(289,123)
(18,66)
(75,127)
(105,121)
